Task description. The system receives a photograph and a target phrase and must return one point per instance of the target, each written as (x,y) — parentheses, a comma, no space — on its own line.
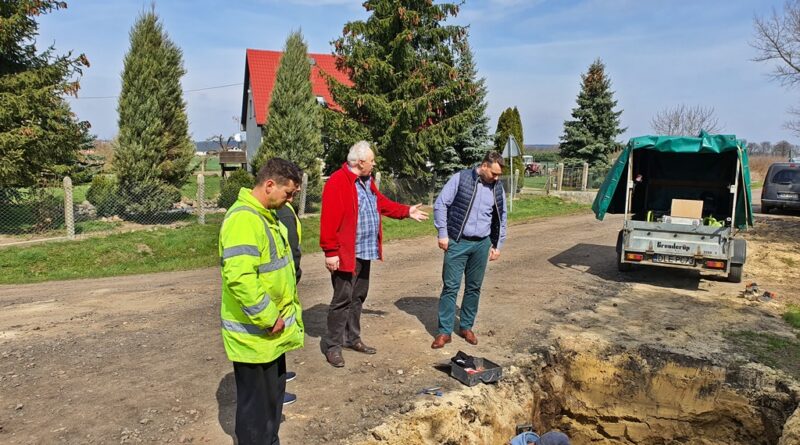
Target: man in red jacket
(350,235)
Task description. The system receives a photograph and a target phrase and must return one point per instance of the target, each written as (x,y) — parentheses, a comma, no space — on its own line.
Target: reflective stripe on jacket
(258,284)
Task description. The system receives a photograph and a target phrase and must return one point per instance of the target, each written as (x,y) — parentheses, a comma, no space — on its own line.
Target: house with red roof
(260,71)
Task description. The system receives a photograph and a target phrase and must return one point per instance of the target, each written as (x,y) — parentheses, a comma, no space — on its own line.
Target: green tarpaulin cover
(611,198)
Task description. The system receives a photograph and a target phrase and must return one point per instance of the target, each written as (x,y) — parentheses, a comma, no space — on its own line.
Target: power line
(215,87)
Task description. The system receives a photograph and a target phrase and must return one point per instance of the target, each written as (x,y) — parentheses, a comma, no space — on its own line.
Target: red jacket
(339,219)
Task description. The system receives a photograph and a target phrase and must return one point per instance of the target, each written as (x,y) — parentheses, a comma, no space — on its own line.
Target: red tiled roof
(261,70)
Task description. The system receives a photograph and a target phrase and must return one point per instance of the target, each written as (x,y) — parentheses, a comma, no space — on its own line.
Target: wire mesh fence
(58,209)
(596,177)
(61,209)
(32,210)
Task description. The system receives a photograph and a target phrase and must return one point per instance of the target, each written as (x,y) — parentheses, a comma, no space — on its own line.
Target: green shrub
(143,199)
(231,185)
(792,315)
(47,210)
(31,210)
(103,195)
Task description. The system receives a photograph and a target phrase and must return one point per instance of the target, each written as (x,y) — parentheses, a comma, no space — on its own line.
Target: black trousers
(344,314)
(259,401)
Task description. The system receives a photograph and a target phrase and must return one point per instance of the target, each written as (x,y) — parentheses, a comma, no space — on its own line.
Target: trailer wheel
(765,209)
(735,274)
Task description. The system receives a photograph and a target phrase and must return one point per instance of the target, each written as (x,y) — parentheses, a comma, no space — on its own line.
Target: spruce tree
(154,150)
(294,124)
(590,136)
(40,137)
(473,143)
(407,91)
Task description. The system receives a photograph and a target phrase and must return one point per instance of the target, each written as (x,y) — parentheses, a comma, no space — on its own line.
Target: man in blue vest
(470,216)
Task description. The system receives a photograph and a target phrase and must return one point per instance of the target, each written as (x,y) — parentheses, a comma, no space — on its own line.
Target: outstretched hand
(416,214)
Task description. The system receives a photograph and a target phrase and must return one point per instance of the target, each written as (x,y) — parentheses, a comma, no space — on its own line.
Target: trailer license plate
(674,259)
(792,196)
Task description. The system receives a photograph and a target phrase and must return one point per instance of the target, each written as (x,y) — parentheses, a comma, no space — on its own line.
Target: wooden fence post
(549,178)
(200,202)
(69,209)
(585,177)
(560,177)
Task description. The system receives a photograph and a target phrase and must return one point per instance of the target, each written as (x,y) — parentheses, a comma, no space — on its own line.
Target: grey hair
(358,152)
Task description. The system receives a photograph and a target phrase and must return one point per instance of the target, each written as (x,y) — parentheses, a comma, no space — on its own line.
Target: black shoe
(289,398)
(335,358)
(290,376)
(359,346)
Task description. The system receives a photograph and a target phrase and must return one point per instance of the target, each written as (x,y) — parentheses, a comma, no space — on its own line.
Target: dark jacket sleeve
(287,218)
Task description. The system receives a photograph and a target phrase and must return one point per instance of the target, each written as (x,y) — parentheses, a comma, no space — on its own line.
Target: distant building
(202,147)
(260,71)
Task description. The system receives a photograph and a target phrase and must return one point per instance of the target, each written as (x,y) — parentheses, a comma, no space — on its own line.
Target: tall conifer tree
(407,91)
(508,124)
(590,136)
(39,135)
(154,149)
(473,143)
(294,125)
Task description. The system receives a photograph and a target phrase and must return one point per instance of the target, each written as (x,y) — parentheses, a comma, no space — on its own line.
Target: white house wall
(252,130)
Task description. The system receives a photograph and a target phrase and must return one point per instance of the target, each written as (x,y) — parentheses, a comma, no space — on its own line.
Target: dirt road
(139,360)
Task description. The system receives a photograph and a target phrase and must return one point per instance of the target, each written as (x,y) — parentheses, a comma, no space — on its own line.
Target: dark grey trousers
(259,401)
(344,313)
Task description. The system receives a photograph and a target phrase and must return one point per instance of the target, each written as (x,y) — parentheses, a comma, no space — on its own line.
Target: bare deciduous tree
(783,149)
(683,120)
(778,40)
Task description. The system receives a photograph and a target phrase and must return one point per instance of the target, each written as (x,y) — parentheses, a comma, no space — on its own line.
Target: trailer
(684,201)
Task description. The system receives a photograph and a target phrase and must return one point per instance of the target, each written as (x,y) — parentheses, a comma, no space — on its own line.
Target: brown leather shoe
(359,346)
(440,341)
(335,358)
(469,336)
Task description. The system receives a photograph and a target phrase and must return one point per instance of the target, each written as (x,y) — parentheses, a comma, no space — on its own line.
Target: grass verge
(194,246)
(775,352)
(792,316)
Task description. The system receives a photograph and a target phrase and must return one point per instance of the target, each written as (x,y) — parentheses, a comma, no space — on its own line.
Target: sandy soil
(139,360)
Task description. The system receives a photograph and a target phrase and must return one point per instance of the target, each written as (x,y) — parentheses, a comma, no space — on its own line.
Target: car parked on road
(781,187)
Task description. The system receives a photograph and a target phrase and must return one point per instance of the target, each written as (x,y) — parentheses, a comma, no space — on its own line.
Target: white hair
(358,152)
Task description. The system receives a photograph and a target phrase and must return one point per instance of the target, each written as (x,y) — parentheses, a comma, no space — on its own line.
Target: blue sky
(658,54)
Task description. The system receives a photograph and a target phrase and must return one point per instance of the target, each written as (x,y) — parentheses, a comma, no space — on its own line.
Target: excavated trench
(645,396)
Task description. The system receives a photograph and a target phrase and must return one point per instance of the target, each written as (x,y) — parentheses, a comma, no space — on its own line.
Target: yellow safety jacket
(258,284)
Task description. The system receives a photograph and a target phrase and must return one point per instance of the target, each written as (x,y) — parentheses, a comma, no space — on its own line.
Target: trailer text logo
(673,246)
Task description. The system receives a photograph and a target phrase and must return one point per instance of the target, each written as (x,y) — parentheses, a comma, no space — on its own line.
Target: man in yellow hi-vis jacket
(261,314)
